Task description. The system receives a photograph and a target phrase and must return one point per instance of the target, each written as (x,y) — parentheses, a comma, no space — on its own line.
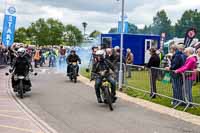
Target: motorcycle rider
(21,66)
(103,64)
(73,57)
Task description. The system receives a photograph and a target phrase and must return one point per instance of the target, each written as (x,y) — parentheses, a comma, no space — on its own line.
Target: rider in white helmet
(21,66)
(100,65)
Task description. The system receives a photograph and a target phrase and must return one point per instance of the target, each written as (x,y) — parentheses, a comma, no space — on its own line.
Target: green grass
(140,80)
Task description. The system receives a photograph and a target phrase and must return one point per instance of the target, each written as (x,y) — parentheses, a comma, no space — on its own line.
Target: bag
(167,78)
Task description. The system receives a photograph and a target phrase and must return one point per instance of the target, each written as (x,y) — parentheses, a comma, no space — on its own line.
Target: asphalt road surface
(72,108)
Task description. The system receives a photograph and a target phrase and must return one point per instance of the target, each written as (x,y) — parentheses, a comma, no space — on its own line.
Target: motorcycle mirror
(6,74)
(35,74)
(87,70)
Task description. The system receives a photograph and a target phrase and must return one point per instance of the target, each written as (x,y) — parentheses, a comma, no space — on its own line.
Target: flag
(9,26)
(126,27)
(189,36)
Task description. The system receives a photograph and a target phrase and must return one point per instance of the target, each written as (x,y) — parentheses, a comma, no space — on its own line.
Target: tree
(55,31)
(146,30)
(95,33)
(132,28)
(113,30)
(21,35)
(48,32)
(190,18)
(72,35)
(161,23)
(38,32)
(84,27)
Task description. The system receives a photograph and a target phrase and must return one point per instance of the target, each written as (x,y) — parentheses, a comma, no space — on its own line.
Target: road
(72,108)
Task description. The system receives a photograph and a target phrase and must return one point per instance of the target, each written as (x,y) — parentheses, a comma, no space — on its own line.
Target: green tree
(190,18)
(48,32)
(161,23)
(146,30)
(95,33)
(132,28)
(72,36)
(21,35)
(38,32)
(55,31)
(113,30)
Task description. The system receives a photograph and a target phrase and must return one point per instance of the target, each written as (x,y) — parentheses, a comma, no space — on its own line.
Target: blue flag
(126,28)
(9,26)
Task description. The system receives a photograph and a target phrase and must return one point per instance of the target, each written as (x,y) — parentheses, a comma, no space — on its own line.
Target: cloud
(99,14)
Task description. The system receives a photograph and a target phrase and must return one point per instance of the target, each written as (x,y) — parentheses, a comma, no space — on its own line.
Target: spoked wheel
(21,90)
(108,98)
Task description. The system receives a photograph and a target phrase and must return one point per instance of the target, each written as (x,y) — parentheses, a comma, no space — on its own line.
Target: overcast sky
(99,14)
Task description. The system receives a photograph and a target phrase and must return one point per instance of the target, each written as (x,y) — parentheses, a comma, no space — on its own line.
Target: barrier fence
(182,89)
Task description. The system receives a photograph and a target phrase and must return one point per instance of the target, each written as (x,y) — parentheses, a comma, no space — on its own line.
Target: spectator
(116,64)
(37,58)
(129,61)
(154,61)
(178,60)
(198,64)
(110,55)
(189,65)
(198,58)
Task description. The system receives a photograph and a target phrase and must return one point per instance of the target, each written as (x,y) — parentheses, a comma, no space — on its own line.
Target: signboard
(9,26)
(189,36)
(125,24)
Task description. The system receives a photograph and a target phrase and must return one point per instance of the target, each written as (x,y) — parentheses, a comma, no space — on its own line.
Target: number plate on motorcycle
(20,77)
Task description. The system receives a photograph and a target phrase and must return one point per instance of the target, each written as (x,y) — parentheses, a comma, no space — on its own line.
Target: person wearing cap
(154,61)
(178,60)
(129,61)
(190,65)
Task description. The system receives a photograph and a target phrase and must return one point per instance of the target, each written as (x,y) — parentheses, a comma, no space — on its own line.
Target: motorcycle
(73,72)
(105,89)
(21,87)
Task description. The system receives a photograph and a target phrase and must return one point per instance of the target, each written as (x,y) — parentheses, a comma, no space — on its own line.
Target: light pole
(121,48)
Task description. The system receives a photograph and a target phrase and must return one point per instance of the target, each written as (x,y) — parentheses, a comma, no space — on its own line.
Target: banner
(125,24)
(189,36)
(9,26)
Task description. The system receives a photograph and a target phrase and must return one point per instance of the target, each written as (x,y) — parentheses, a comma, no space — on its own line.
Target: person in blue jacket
(178,60)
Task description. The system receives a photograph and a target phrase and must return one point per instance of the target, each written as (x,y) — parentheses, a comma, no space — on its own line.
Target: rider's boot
(114,98)
(99,100)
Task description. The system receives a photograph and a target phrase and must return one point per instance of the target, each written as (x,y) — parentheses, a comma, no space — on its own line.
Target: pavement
(72,108)
(13,118)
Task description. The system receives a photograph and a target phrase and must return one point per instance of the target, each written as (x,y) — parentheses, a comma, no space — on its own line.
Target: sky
(99,14)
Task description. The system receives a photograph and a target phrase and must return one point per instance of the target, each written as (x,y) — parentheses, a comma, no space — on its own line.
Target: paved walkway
(12,118)
(72,108)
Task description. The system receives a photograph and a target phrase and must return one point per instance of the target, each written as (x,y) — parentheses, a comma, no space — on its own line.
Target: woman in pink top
(190,65)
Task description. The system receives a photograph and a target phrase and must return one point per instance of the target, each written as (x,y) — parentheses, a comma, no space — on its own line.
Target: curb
(33,117)
(153,106)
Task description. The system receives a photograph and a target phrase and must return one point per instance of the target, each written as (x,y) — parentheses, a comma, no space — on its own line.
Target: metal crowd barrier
(158,82)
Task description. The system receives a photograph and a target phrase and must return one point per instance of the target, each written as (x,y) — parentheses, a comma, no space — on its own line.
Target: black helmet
(72,51)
